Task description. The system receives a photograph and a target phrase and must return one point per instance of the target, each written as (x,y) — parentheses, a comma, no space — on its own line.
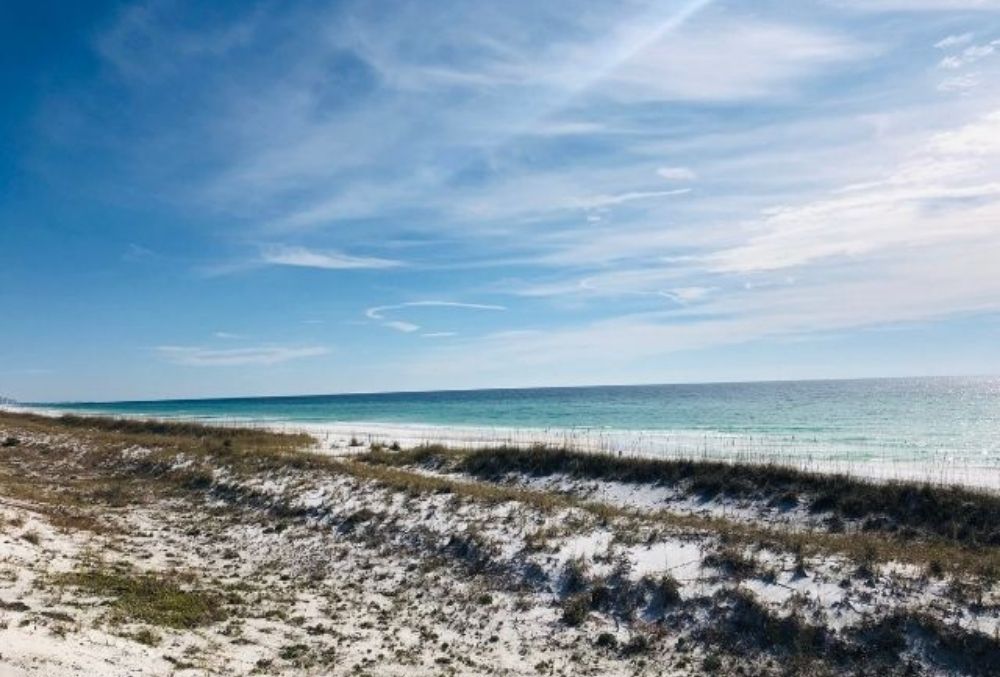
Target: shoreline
(338,438)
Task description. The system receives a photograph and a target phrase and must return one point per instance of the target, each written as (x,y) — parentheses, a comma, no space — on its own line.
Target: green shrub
(575,609)
(148,598)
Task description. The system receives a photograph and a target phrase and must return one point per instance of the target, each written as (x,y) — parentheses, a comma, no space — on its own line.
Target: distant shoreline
(347,438)
(509,389)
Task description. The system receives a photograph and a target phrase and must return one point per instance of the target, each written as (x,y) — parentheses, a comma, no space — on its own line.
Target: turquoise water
(941,419)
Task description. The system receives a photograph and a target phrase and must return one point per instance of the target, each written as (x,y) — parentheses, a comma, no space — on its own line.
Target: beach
(336,438)
(936,430)
(147,547)
(656,338)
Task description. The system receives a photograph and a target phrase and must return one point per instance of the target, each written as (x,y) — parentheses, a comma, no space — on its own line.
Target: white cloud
(616,283)
(227,335)
(135,252)
(755,59)
(677,173)
(655,280)
(439,334)
(196,356)
(954,40)
(603,245)
(969,55)
(688,294)
(290,167)
(377,312)
(916,245)
(976,140)
(948,191)
(929,285)
(284,255)
(598,201)
(530,196)
(960,83)
(399,325)
(567,128)
(634,58)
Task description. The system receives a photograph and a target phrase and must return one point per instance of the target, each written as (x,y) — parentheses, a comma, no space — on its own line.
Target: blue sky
(243,198)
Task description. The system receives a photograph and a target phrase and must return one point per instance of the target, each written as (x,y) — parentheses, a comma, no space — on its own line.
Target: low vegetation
(161,600)
(908,510)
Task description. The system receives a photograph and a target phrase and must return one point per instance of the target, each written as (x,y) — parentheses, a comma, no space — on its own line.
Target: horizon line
(514,388)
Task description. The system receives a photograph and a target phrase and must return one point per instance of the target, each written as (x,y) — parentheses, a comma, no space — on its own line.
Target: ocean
(936,422)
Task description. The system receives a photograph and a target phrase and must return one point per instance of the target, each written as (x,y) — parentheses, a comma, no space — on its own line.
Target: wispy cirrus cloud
(379,313)
(969,55)
(301,257)
(960,84)
(954,40)
(946,192)
(400,325)
(943,191)
(635,177)
(301,152)
(198,356)
(676,173)
(736,68)
(598,201)
(956,282)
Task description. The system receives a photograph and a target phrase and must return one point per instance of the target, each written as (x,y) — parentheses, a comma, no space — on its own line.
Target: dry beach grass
(134,547)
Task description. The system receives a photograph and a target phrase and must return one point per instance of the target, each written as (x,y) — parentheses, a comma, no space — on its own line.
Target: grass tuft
(148,598)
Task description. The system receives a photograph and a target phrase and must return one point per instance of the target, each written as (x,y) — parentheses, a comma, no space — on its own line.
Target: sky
(255,198)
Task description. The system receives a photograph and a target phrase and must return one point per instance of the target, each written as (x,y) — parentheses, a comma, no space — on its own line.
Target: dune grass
(160,600)
(947,530)
(967,516)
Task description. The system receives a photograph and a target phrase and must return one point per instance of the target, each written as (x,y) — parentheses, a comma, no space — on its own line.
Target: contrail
(624,50)
(614,55)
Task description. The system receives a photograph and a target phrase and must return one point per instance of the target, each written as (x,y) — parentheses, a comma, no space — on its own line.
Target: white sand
(336,438)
